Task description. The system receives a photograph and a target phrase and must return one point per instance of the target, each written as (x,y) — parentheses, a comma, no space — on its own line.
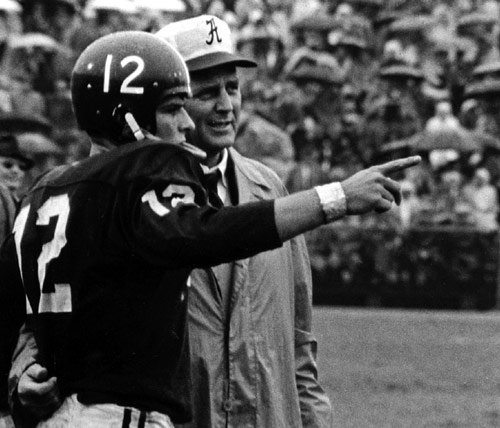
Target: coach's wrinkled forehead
(204,42)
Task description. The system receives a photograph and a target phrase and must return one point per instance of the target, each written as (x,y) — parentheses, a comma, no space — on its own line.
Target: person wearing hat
(253,310)
(13,166)
(257,309)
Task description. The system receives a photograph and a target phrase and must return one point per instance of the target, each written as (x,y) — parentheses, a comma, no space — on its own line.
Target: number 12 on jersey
(57,206)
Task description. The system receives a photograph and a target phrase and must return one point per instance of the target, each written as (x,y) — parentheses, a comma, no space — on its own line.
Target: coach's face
(215,108)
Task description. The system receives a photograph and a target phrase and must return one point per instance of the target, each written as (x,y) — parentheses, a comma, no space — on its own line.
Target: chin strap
(134,126)
(141,134)
(195,151)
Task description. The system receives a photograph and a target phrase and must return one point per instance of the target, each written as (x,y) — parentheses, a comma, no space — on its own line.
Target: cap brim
(15,124)
(27,162)
(218,58)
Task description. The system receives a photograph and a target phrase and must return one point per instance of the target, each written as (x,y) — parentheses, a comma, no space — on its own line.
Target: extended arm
(368,190)
(184,234)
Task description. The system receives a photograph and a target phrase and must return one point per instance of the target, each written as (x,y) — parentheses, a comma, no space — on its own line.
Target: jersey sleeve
(172,224)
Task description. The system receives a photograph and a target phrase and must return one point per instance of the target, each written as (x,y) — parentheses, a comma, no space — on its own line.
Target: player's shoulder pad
(186,147)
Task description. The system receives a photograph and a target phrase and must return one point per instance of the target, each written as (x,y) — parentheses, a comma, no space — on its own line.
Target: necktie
(211,181)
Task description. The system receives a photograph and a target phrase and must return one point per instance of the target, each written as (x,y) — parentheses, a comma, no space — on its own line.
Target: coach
(253,351)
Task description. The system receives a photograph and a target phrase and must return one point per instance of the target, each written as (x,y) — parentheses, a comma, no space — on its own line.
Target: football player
(105,246)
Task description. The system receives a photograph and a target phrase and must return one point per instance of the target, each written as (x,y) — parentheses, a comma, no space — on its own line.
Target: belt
(127,417)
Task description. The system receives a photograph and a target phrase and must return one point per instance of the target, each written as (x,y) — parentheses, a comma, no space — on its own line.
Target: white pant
(73,414)
(6,421)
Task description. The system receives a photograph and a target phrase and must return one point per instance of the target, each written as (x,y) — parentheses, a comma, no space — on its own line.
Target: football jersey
(105,249)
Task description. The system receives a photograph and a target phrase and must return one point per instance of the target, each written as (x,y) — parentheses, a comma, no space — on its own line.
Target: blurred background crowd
(341,85)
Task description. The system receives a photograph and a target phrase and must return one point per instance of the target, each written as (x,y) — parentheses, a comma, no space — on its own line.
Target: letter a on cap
(204,42)
(213,32)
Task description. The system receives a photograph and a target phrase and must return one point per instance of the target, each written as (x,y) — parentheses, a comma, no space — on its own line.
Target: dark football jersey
(105,248)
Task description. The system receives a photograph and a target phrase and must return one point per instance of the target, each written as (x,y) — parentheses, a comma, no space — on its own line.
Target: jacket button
(228,405)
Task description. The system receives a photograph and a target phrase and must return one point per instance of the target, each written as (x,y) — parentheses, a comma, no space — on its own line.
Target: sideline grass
(415,369)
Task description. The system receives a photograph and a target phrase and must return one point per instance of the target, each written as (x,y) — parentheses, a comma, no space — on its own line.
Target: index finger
(398,164)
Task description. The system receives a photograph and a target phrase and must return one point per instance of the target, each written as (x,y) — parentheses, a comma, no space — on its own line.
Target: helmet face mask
(125,72)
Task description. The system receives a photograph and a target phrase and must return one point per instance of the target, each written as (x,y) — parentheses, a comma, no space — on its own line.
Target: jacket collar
(250,181)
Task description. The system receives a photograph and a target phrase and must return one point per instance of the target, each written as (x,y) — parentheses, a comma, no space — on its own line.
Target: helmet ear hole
(125,120)
(123,133)
(118,114)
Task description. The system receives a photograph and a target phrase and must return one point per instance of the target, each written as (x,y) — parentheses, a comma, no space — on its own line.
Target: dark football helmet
(119,81)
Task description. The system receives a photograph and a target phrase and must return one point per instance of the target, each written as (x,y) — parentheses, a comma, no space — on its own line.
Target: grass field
(399,369)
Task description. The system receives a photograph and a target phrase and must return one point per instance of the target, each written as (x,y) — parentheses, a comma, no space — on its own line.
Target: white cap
(123,6)
(161,5)
(204,42)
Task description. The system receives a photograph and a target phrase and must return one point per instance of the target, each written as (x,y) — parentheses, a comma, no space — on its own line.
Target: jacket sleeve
(315,407)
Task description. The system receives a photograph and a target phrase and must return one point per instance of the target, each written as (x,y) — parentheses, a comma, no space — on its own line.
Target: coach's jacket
(260,369)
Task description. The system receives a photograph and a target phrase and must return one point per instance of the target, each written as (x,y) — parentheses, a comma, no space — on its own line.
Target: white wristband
(333,201)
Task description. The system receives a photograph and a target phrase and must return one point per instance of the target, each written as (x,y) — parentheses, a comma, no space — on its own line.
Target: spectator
(444,118)
(260,39)
(10,19)
(53,18)
(307,171)
(13,166)
(483,198)
(350,52)
(34,135)
(101,18)
(410,204)
(46,154)
(318,93)
(260,139)
(469,114)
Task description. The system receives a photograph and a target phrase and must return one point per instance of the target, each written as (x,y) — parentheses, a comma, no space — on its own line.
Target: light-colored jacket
(260,369)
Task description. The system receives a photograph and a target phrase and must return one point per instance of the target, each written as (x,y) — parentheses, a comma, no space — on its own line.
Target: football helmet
(119,81)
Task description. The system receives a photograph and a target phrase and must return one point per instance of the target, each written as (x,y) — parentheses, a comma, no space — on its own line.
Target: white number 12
(56,206)
(125,88)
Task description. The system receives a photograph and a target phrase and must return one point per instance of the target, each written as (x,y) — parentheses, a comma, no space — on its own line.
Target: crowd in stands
(341,85)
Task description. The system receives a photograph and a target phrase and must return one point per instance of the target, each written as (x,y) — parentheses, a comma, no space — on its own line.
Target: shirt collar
(221,166)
